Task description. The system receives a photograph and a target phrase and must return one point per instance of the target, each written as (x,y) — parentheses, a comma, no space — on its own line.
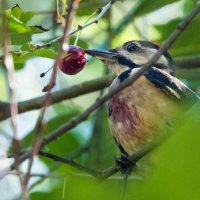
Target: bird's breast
(121,112)
(138,113)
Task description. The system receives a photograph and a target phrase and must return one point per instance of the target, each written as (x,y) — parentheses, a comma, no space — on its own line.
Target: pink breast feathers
(120,111)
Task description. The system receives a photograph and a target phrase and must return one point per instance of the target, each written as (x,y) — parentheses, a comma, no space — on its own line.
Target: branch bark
(189,62)
(70,162)
(68,93)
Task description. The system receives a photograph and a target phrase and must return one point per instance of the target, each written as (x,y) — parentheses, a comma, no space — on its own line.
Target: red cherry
(74,62)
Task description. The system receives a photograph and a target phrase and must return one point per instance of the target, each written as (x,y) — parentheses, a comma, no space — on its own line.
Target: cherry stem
(79,33)
(44,73)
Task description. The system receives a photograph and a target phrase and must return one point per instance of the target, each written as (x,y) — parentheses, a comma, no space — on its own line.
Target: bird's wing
(171,86)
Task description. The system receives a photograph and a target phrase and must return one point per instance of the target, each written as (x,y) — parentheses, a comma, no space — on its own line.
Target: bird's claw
(124,165)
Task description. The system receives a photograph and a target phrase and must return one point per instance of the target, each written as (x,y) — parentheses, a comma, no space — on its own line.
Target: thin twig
(9,64)
(70,162)
(102,10)
(122,25)
(96,20)
(74,154)
(40,175)
(188,62)
(124,183)
(63,45)
(73,5)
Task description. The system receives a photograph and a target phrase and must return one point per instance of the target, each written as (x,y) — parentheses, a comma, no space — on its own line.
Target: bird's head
(132,54)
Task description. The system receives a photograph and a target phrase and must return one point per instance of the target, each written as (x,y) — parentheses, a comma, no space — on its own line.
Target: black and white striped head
(132,54)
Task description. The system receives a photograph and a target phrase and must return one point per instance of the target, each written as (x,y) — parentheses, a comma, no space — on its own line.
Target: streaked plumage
(141,111)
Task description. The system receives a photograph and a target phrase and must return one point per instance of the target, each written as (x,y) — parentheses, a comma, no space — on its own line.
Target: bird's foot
(124,165)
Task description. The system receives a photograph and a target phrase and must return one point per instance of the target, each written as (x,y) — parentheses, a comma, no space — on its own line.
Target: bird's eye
(131,47)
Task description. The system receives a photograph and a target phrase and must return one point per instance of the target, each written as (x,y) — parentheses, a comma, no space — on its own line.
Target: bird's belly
(139,113)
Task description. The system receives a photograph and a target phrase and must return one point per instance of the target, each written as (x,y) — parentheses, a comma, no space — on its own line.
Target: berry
(74,62)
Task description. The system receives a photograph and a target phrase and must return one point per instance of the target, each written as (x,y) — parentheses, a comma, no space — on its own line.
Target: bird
(140,112)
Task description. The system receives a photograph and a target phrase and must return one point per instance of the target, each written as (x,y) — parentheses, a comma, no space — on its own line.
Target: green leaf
(20,59)
(187,43)
(26,16)
(146,6)
(19,66)
(28,51)
(27,47)
(81,187)
(188,6)
(16,11)
(37,29)
(41,196)
(19,14)
(87,7)
(47,53)
(19,32)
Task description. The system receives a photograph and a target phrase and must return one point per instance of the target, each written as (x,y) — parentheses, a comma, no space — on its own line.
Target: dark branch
(189,62)
(68,93)
(70,162)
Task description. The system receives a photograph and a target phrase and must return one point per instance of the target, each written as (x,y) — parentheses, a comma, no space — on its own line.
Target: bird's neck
(116,68)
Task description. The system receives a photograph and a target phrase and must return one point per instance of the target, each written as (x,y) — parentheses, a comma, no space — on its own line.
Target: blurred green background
(176,171)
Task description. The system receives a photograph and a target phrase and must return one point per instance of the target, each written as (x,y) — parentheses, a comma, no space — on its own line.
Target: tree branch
(189,62)
(95,20)
(68,93)
(11,84)
(70,162)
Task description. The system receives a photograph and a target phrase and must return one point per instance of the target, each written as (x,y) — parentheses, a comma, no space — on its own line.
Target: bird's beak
(109,55)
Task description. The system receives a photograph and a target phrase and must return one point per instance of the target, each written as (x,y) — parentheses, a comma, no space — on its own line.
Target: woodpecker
(141,112)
